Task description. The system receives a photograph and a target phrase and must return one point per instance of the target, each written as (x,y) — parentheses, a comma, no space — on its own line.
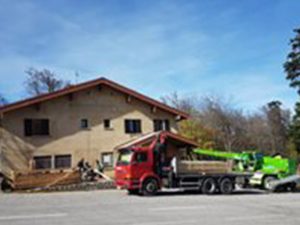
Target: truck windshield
(125,157)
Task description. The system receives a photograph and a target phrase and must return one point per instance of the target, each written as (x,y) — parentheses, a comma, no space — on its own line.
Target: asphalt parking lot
(116,207)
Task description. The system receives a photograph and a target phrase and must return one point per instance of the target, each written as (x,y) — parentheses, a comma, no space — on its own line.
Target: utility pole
(76,77)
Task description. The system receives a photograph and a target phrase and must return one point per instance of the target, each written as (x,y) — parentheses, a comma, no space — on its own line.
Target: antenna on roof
(76,77)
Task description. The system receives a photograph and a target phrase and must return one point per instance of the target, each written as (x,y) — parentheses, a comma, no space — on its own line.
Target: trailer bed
(276,184)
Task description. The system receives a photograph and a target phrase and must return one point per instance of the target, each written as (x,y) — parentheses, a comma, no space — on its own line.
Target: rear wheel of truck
(209,186)
(226,186)
(150,187)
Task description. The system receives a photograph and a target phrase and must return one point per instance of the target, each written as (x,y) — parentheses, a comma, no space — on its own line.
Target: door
(141,164)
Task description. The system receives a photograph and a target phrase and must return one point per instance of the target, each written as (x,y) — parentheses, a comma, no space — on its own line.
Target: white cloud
(158,49)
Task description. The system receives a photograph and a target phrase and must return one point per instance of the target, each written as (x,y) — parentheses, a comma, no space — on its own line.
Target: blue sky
(229,48)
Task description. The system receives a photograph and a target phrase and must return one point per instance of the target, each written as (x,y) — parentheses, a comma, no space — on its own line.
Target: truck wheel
(6,186)
(150,187)
(209,186)
(267,182)
(293,187)
(226,186)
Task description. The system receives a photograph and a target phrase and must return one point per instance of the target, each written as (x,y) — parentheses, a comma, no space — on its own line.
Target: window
(42,162)
(84,124)
(161,125)
(141,157)
(107,159)
(107,124)
(125,157)
(62,161)
(36,127)
(133,126)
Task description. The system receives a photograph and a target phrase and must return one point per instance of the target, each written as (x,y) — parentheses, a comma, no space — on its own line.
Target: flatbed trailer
(223,183)
(289,183)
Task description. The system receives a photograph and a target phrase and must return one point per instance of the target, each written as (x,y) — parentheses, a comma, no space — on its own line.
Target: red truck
(147,166)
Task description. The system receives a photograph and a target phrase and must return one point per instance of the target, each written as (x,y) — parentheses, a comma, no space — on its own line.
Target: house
(54,131)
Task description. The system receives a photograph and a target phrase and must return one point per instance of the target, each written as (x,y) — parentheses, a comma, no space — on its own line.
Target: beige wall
(66,136)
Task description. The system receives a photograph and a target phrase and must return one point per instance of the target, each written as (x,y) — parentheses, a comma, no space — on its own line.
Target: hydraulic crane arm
(220,154)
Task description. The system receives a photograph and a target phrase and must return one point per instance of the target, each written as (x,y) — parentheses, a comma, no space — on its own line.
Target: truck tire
(150,187)
(292,187)
(289,187)
(266,182)
(226,186)
(209,186)
(6,186)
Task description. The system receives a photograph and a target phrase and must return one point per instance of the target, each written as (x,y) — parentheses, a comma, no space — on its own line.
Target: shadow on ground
(239,192)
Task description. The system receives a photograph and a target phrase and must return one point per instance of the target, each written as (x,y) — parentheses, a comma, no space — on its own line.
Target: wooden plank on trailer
(208,167)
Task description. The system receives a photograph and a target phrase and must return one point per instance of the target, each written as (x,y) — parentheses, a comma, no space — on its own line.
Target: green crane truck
(268,172)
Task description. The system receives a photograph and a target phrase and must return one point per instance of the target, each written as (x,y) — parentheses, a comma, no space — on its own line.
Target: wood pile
(204,167)
(84,186)
(44,179)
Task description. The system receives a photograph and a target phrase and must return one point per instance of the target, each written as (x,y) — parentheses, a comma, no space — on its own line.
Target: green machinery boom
(257,164)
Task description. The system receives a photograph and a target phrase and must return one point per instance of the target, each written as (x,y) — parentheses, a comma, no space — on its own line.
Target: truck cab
(133,166)
(142,165)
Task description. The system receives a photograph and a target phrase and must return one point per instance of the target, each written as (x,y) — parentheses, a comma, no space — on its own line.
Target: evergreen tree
(278,121)
(295,128)
(292,65)
(292,69)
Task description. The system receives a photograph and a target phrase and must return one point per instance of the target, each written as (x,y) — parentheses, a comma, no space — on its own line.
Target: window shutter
(127,126)
(138,126)
(167,125)
(45,127)
(157,125)
(28,127)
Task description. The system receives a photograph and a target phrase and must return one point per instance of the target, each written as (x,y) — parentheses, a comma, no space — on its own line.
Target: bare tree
(192,128)
(258,132)
(219,124)
(43,81)
(187,104)
(213,122)
(229,124)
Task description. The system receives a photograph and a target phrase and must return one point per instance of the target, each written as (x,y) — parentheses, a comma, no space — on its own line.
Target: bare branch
(43,81)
